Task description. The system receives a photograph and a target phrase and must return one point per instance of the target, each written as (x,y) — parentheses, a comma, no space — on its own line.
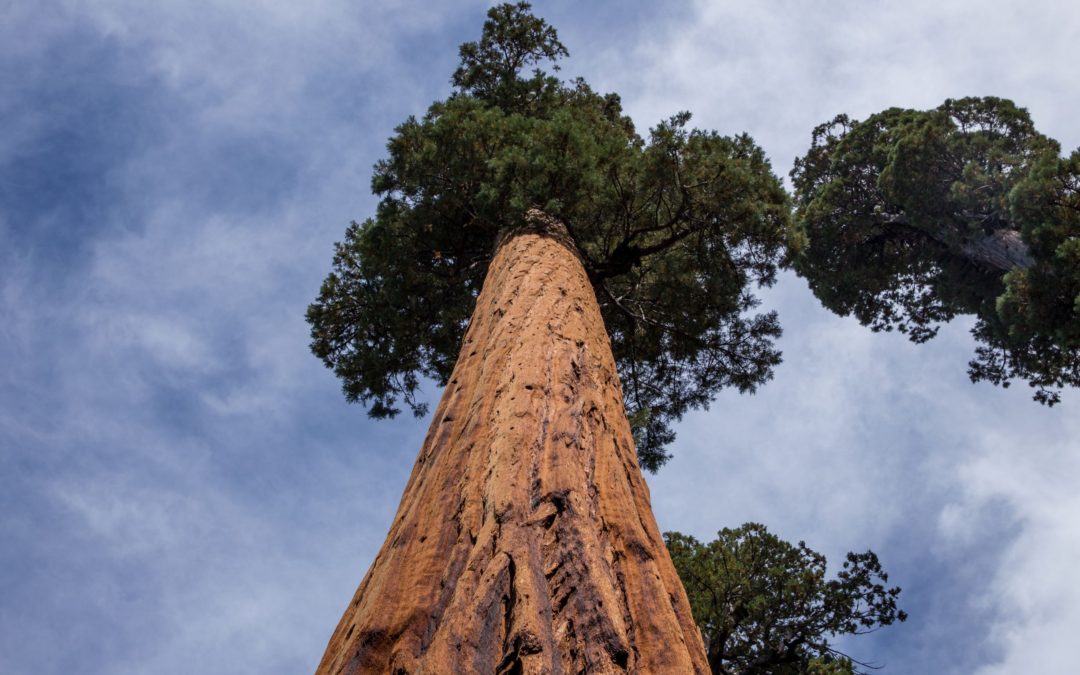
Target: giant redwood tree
(914,217)
(605,274)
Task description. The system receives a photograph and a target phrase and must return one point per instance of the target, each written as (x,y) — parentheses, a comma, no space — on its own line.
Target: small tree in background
(914,217)
(765,607)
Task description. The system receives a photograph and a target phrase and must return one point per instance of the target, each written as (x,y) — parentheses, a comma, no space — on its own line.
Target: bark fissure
(524,542)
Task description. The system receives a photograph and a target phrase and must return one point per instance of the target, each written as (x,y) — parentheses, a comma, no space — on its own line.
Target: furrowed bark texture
(524,541)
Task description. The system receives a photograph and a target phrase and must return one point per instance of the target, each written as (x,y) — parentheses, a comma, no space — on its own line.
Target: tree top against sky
(674,230)
(765,606)
(914,217)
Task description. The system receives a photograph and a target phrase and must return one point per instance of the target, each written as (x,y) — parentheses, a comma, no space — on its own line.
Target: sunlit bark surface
(524,541)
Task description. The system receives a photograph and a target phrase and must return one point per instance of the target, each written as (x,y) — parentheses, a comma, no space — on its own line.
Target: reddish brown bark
(524,541)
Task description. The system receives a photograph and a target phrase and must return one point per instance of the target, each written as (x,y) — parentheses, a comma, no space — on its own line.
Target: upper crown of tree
(673,231)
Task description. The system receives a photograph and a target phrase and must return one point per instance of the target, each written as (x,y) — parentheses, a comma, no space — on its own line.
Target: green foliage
(1039,311)
(764,605)
(512,40)
(914,217)
(673,229)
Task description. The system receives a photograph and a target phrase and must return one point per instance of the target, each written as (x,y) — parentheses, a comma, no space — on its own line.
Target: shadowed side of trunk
(524,541)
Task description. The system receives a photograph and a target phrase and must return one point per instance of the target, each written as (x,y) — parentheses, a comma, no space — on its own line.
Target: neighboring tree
(765,607)
(524,541)
(914,217)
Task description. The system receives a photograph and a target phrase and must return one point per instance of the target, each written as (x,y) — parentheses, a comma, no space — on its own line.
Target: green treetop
(673,230)
(765,607)
(914,217)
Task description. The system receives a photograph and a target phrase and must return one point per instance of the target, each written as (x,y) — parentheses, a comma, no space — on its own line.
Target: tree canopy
(674,230)
(914,217)
(764,605)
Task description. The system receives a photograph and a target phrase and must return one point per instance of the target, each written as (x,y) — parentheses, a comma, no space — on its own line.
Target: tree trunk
(524,541)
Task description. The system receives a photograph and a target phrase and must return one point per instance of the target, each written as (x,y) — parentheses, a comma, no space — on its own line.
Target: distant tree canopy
(765,608)
(674,230)
(914,217)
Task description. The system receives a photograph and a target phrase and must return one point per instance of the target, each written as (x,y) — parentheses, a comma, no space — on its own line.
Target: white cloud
(777,68)
(1034,586)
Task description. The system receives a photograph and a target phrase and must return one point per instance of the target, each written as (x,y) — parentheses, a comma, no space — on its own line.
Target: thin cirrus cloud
(183,488)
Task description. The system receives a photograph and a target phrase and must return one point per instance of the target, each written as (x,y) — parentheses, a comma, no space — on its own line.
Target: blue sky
(183,487)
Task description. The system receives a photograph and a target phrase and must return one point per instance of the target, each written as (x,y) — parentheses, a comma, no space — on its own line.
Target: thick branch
(1002,250)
